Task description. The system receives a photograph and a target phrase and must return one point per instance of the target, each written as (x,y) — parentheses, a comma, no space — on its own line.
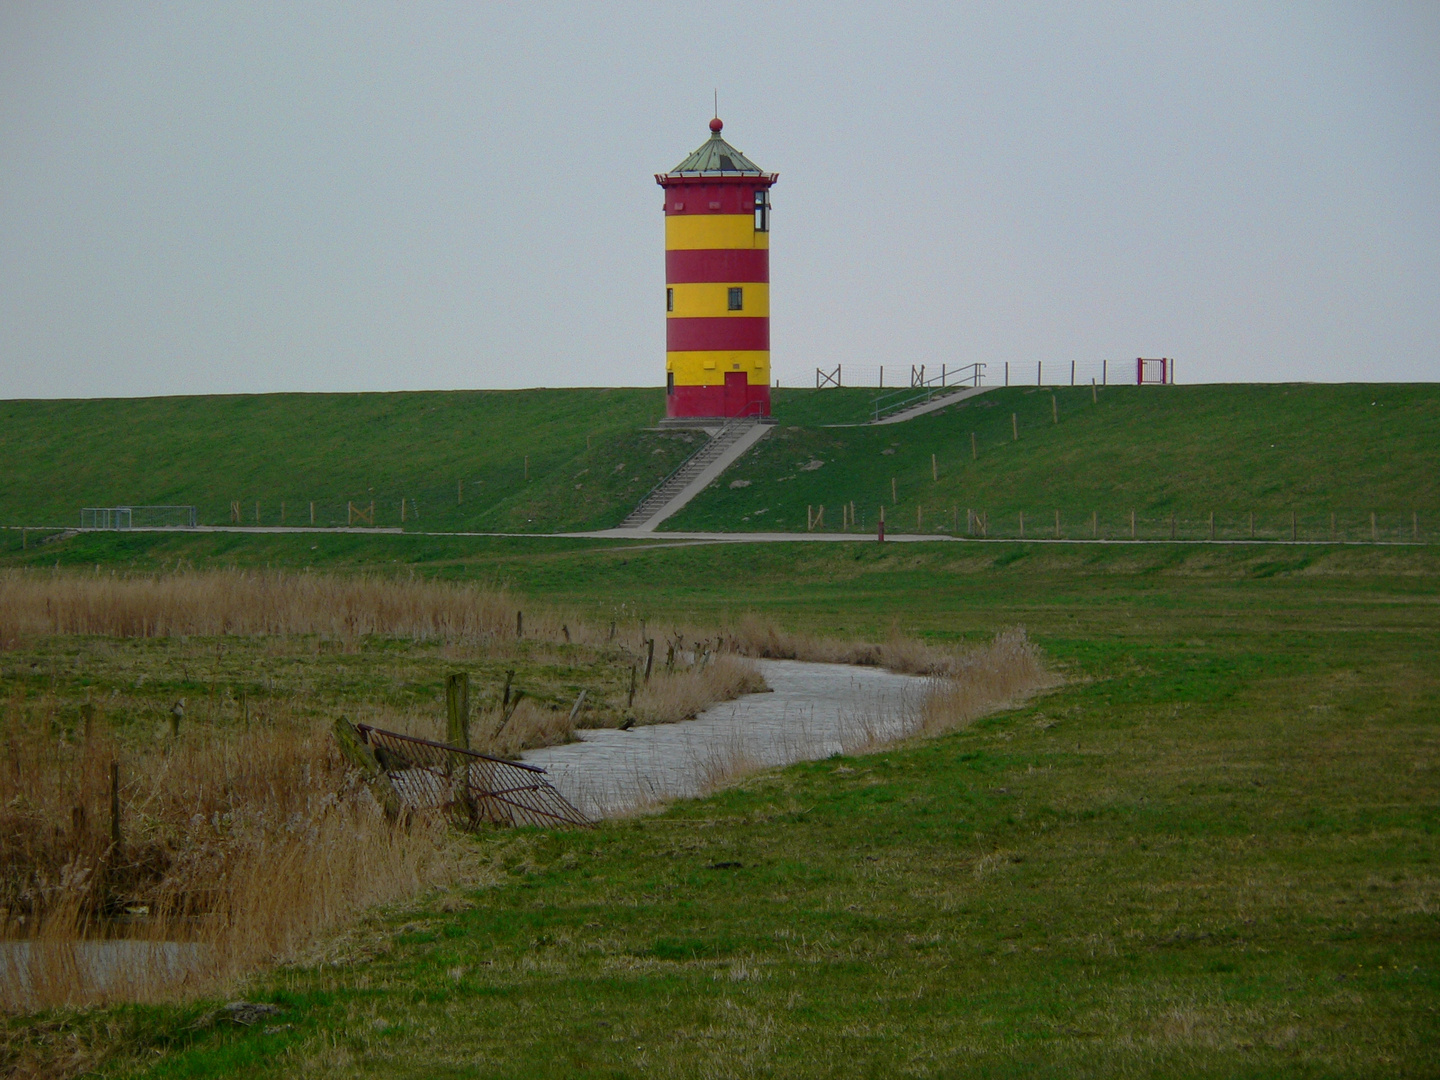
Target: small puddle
(814,711)
(107,967)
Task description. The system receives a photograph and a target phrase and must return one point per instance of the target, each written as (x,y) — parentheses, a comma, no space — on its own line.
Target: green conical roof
(716,156)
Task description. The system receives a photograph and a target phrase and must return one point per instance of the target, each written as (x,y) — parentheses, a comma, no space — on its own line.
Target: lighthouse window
(669,299)
(762,211)
(737,299)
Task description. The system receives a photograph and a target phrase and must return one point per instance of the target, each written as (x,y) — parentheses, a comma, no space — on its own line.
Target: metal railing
(468,787)
(923,388)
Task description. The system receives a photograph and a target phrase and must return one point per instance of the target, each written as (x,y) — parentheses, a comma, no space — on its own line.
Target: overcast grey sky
(210,197)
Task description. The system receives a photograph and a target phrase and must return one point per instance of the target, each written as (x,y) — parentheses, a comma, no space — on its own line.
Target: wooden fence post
(312,513)
(919,520)
(1057,524)
(1022,524)
(457,709)
(1132,524)
(527,468)
(974,448)
(1094,396)
(115,802)
(649,657)
(1014,428)
(1212,524)
(934,470)
(1054,409)
(894,498)
(519,624)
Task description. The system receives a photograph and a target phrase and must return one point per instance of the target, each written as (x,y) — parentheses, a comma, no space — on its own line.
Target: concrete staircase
(695,473)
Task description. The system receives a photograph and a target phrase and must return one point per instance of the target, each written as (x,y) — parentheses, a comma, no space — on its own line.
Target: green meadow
(1211,852)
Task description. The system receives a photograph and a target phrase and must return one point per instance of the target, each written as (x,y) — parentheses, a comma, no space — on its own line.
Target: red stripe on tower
(723,264)
(721,335)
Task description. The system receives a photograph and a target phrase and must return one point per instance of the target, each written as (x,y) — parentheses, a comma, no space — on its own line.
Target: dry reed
(244,846)
(685,693)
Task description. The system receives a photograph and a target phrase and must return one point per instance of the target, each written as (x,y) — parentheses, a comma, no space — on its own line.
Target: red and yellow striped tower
(717,283)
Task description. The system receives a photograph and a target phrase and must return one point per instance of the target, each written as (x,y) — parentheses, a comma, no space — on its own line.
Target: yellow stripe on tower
(708,368)
(688,232)
(711,300)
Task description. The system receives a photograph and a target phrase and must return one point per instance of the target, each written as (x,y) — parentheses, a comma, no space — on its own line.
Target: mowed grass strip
(1231,450)
(1212,852)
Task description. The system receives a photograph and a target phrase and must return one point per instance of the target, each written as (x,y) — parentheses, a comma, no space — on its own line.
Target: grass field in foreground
(1212,853)
(1231,450)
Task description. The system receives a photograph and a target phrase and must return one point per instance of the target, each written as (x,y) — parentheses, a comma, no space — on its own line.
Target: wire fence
(1103,372)
(1268,526)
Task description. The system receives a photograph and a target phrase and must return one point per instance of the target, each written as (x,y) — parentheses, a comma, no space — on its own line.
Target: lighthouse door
(735,393)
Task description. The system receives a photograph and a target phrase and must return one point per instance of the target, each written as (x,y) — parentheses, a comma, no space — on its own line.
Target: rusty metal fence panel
(469,787)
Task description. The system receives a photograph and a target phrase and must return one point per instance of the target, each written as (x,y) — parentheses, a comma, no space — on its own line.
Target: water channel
(812,711)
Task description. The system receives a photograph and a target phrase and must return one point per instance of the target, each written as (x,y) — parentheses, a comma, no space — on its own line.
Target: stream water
(813,711)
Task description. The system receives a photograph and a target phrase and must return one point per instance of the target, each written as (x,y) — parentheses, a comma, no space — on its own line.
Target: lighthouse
(717,283)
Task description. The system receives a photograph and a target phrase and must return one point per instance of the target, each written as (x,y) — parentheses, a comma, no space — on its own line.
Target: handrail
(974,374)
(730,422)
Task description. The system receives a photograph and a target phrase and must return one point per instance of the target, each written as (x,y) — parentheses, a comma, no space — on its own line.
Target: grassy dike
(1213,852)
(1190,451)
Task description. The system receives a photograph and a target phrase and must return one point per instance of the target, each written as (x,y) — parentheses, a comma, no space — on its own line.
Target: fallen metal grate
(469,787)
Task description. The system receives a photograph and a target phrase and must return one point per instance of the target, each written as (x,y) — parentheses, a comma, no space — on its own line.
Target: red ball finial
(716,125)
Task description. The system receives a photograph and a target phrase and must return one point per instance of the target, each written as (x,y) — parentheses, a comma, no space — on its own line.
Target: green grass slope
(590,459)
(1230,450)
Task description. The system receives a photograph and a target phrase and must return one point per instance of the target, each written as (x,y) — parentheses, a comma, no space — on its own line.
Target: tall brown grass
(245,844)
(213,603)
(691,689)
(755,636)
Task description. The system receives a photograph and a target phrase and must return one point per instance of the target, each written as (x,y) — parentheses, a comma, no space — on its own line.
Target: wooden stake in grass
(974,447)
(235,512)
(1014,428)
(1094,525)
(579,704)
(1022,524)
(527,468)
(519,624)
(934,470)
(630,704)
(649,657)
(312,513)
(1054,410)
(1132,524)
(894,498)
(1212,524)
(115,804)
(1294,526)
(1094,396)
(1057,524)
(457,709)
